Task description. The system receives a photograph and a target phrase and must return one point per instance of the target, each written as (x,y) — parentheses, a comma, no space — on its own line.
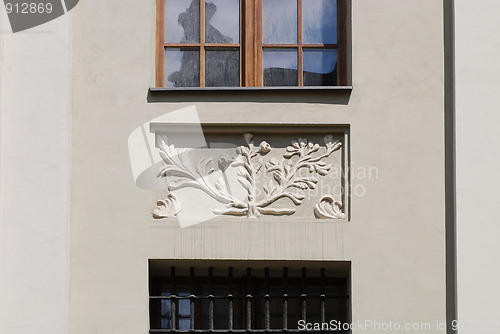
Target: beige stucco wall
(395,238)
(35,92)
(477,118)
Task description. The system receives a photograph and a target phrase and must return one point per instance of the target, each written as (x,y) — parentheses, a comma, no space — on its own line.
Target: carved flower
(264,147)
(301,147)
(248,138)
(328,139)
(225,160)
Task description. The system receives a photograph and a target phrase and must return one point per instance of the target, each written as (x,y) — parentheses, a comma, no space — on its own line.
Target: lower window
(246,299)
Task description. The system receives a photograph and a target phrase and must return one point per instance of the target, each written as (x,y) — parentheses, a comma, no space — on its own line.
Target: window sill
(231,89)
(285,94)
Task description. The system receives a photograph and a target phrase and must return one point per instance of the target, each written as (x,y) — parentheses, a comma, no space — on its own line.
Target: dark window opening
(246,300)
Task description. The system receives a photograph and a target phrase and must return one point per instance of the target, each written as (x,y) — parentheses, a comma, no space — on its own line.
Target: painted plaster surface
(395,237)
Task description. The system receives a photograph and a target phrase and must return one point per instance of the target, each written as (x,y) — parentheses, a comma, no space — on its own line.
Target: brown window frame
(250,44)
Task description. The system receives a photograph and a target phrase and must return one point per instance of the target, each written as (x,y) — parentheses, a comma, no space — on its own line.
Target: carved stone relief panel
(254,172)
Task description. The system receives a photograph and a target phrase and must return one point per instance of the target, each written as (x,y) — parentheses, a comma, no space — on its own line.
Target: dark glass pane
(165,311)
(222,68)
(319,21)
(182,21)
(182,68)
(184,324)
(320,67)
(280,67)
(184,305)
(335,307)
(222,21)
(313,305)
(221,311)
(294,312)
(279,21)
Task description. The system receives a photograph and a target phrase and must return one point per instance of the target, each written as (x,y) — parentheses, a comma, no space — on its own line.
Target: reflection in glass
(222,19)
(222,68)
(320,67)
(280,67)
(182,21)
(182,68)
(319,22)
(184,309)
(165,312)
(279,21)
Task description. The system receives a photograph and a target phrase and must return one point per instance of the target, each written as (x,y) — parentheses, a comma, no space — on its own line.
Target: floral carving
(286,180)
(329,208)
(166,208)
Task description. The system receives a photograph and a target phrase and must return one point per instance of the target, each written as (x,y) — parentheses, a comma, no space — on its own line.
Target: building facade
(376,229)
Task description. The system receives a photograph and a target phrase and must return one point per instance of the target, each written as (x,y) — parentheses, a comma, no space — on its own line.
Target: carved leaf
(304,183)
(166,208)
(220,184)
(329,208)
(276,211)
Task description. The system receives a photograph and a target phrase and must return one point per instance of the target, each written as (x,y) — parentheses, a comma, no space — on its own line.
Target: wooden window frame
(250,44)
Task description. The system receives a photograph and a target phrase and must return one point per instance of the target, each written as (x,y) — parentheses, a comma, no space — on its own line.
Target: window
(245,299)
(233,43)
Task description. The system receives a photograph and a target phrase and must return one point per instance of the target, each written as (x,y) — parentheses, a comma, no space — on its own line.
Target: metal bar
(322,296)
(285,298)
(230,296)
(303,294)
(249,300)
(240,331)
(267,317)
(173,301)
(210,299)
(192,298)
(254,296)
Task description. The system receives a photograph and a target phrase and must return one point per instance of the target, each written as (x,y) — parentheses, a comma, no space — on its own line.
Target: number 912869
(28,8)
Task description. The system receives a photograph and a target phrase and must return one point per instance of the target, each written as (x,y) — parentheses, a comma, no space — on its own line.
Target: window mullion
(249,43)
(341,43)
(160,40)
(202,41)
(242,39)
(258,44)
(299,41)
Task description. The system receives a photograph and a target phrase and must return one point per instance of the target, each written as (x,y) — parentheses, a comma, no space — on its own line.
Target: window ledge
(310,94)
(230,89)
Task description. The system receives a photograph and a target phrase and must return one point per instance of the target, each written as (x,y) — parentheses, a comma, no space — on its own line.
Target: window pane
(182,68)
(165,311)
(222,68)
(184,305)
(279,21)
(182,21)
(280,67)
(320,67)
(184,324)
(222,21)
(319,21)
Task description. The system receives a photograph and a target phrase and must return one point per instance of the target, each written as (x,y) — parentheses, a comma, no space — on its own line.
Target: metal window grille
(249,303)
